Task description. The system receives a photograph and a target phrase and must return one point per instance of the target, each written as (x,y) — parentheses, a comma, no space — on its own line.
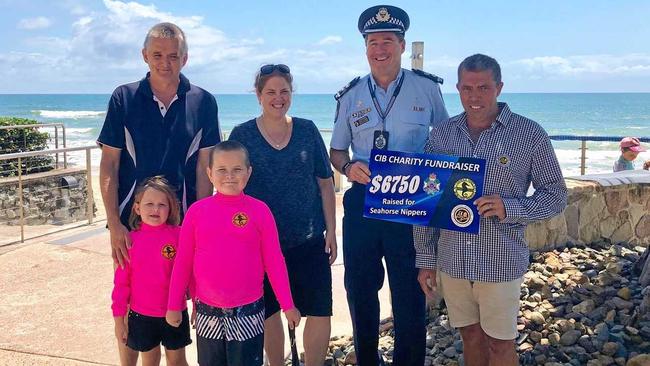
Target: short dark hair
(400,37)
(229,145)
(480,62)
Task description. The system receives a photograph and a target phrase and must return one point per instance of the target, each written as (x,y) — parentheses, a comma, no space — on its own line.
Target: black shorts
(147,332)
(310,278)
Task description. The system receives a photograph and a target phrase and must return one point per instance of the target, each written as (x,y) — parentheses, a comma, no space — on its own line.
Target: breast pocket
(413,130)
(363,129)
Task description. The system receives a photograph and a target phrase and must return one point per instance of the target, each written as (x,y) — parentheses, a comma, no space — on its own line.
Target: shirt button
(469,242)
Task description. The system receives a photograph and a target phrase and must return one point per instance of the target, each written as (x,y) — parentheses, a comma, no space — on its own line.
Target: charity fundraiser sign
(425,189)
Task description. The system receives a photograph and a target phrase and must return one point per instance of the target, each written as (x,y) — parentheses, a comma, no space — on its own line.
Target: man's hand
(120,243)
(121,328)
(646,165)
(330,245)
(293,317)
(358,172)
(427,280)
(173,318)
(489,206)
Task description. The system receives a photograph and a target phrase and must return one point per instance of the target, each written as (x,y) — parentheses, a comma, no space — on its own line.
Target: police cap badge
(383,18)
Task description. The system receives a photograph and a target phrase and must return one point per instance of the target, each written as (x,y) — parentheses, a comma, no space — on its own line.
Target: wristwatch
(345,167)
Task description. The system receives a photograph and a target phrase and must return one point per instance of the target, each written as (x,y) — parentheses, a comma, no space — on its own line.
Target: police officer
(391,108)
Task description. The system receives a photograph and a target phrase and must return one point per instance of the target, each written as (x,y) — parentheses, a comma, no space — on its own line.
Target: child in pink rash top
(227,243)
(142,285)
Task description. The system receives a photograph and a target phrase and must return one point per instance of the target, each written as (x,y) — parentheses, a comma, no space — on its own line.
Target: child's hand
(174,318)
(121,329)
(646,165)
(293,317)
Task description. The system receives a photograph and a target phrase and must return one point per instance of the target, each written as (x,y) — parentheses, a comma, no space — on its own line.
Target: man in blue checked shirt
(481,275)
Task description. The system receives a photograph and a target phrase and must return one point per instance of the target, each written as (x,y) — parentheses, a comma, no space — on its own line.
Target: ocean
(592,114)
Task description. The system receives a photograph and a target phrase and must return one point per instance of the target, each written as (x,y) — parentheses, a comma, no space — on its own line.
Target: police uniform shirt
(418,106)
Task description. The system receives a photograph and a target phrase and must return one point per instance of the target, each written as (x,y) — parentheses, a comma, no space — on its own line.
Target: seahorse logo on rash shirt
(240,219)
(168,251)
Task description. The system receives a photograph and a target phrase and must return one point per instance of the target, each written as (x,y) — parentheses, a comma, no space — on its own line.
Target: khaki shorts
(495,305)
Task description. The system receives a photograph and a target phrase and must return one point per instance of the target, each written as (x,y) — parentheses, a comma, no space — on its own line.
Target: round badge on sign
(168,251)
(462,216)
(465,189)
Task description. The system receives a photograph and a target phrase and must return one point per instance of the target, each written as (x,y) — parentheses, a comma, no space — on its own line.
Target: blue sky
(75,46)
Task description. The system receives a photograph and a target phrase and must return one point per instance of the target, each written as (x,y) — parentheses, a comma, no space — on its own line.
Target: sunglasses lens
(267,69)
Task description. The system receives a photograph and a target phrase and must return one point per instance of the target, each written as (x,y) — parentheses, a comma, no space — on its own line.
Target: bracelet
(345,166)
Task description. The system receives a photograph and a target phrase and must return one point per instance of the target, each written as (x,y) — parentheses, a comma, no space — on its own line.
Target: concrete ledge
(611,207)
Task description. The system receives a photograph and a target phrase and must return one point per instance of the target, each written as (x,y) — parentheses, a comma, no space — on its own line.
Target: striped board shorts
(231,324)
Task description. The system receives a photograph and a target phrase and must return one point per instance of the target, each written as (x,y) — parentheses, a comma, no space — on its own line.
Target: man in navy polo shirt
(160,125)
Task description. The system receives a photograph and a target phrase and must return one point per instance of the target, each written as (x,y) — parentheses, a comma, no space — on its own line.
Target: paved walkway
(55,303)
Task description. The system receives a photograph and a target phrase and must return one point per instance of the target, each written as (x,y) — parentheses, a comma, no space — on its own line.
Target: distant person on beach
(390,108)
(228,242)
(630,149)
(160,125)
(481,275)
(292,175)
(142,285)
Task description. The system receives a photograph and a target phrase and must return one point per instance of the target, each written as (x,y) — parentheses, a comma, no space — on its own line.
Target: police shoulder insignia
(345,89)
(168,251)
(434,78)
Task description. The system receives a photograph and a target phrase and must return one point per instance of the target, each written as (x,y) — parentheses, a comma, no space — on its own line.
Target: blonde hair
(160,184)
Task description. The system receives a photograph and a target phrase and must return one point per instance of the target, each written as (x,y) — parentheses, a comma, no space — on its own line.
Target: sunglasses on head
(268,69)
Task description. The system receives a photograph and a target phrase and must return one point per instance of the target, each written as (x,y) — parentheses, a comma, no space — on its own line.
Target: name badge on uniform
(381,140)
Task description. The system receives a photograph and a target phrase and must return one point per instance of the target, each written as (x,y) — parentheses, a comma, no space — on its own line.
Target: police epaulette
(345,89)
(435,78)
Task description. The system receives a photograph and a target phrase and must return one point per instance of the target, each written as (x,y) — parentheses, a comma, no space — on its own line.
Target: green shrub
(19,140)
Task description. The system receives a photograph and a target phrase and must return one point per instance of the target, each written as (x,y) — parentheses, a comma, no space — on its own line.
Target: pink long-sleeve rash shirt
(143,283)
(227,243)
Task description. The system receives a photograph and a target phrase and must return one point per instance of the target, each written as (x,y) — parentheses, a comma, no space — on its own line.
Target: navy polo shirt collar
(183,86)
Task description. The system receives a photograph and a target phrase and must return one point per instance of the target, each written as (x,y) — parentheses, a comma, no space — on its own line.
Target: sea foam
(68,114)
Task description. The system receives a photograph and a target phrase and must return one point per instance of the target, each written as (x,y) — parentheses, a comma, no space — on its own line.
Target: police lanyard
(384,114)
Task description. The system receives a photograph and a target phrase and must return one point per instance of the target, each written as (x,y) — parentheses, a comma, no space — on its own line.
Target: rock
(537,318)
(535,336)
(639,360)
(624,293)
(620,303)
(385,326)
(609,348)
(350,359)
(584,307)
(449,352)
(554,338)
(569,338)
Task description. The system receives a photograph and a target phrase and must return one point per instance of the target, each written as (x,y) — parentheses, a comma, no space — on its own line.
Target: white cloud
(585,65)
(330,40)
(34,23)
(102,50)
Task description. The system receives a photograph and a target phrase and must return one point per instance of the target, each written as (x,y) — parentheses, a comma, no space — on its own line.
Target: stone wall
(45,201)
(596,213)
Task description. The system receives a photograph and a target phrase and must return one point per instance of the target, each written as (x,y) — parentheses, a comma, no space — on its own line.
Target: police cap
(383,18)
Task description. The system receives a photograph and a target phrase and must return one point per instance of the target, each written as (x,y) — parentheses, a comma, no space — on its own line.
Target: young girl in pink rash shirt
(227,243)
(142,285)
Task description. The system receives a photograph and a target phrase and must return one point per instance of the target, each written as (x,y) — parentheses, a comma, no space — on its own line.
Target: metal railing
(22,156)
(583,144)
(56,126)
(89,204)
